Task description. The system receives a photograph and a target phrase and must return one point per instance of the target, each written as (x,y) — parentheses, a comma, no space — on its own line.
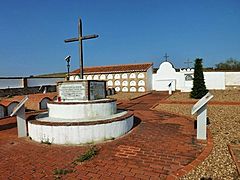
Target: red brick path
(159,145)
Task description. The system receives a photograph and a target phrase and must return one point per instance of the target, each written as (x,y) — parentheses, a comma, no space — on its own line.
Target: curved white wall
(81,110)
(79,134)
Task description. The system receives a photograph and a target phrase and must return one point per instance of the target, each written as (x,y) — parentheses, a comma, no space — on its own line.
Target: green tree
(199,88)
(229,64)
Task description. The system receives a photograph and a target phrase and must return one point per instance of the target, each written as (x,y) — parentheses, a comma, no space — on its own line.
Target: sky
(32,33)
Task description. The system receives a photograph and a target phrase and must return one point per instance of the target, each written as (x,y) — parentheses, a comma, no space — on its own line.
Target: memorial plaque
(21,120)
(97,90)
(201,109)
(73,91)
(202,102)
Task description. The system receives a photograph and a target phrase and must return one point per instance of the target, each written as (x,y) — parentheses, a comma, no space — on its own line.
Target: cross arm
(89,37)
(81,38)
(71,40)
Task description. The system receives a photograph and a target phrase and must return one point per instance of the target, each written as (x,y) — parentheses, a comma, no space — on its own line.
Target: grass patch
(87,155)
(62,171)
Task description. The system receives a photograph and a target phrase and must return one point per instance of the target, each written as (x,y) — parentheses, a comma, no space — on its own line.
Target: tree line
(229,64)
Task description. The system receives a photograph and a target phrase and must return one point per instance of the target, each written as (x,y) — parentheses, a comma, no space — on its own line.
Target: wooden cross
(166,56)
(80,38)
(188,62)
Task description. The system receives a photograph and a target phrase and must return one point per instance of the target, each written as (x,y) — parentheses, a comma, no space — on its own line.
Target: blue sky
(32,33)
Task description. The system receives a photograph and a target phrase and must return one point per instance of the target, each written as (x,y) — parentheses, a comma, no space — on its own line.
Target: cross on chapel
(80,38)
(166,57)
(188,62)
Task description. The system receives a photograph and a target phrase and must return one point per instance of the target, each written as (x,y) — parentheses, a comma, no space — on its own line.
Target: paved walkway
(159,145)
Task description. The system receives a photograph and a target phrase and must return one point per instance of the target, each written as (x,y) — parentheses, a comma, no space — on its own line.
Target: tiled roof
(32,102)
(7,102)
(115,68)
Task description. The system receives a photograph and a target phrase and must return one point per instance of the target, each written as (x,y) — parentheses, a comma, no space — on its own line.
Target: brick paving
(235,153)
(159,145)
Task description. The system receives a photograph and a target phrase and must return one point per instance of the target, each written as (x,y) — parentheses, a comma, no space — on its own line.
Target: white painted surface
(214,80)
(103,77)
(202,123)
(32,82)
(117,76)
(141,83)
(77,77)
(110,83)
(140,75)
(21,122)
(117,83)
(79,134)
(125,83)
(125,89)
(82,110)
(141,89)
(133,83)
(201,109)
(89,77)
(132,75)
(124,76)
(204,100)
(45,118)
(72,78)
(165,75)
(117,89)
(96,77)
(232,78)
(11,83)
(110,76)
(133,89)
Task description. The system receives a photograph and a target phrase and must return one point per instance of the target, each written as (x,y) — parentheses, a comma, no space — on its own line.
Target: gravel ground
(225,129)
(232,95)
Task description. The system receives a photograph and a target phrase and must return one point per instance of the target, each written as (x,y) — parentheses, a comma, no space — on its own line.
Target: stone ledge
(129,114)
(85,102)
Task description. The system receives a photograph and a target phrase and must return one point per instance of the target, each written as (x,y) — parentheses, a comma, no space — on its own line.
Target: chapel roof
(115,68)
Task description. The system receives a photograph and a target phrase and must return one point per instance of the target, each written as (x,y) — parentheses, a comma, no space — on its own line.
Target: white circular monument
(82,114)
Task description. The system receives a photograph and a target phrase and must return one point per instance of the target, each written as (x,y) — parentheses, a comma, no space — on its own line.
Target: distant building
(123,78)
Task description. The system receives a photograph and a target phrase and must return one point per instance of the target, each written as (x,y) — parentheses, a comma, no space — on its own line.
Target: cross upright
(80,38)
(166,57)
(188,62)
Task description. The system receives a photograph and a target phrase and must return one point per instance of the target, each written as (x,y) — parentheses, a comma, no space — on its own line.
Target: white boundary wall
(33,82)
(213,80)
(11,83)
(232,78)
(18,82)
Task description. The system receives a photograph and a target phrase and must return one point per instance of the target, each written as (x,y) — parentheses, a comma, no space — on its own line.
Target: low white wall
(162,84)
(32,82)
(232,78)
(11,83)
(79,134)
(214,80)
(82,111)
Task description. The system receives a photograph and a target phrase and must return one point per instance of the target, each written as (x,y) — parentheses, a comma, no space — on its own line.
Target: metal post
(68,66)
(80,47)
